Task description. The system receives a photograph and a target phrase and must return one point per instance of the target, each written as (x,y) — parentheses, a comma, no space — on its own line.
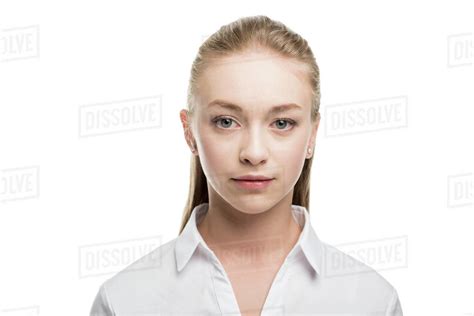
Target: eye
(222,119)
(227,122)
(293,123)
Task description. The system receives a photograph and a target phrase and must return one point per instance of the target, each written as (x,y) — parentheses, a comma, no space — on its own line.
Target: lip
(251,177)
(253,184)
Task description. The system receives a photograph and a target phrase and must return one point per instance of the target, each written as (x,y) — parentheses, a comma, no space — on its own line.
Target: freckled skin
(251,143)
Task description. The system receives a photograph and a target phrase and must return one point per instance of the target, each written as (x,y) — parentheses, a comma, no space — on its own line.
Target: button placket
(225,295)
(274,302)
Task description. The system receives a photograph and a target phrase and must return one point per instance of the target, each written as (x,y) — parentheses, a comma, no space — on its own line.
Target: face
(238,128)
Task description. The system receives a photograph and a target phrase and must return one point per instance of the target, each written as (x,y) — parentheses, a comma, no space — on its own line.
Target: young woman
(246,245)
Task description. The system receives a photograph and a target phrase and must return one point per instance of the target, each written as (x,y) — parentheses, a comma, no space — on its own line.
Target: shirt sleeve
(101,305)
(394,307)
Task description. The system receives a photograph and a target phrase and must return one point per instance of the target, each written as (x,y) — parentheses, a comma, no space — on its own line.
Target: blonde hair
(237,37)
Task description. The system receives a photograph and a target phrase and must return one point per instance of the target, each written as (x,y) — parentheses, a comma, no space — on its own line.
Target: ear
(186,123)
(312,139)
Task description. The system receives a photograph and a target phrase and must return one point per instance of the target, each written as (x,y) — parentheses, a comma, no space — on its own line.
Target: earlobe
(190,141)
(313,135)
(310,151)
(184,118)
(183,114)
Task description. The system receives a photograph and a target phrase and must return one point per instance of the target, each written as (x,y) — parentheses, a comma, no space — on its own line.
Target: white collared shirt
(185,277)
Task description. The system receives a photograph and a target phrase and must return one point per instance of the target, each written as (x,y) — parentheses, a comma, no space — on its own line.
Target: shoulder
(356,281)
(159,259)
(138,282)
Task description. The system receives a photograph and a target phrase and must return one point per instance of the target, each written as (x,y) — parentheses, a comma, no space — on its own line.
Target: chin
(253,205)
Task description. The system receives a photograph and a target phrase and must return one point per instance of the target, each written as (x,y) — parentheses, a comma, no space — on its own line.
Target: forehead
(255,81)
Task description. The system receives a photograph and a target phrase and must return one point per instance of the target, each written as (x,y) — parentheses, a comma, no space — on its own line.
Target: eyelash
(292,122)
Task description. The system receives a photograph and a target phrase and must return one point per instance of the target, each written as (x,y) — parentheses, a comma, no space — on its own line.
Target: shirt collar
(190,237)
(308,241)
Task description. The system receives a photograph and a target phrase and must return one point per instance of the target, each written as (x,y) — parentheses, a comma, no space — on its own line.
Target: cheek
(215,157)
(291,160)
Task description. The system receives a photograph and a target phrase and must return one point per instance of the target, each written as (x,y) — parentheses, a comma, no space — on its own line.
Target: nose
(254,148)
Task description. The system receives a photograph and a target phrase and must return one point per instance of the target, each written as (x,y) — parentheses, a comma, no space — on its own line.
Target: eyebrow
(274,110)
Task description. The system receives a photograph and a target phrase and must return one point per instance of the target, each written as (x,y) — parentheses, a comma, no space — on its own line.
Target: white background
(130,185)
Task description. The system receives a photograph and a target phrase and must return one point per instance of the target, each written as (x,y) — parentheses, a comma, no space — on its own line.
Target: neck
(252,237)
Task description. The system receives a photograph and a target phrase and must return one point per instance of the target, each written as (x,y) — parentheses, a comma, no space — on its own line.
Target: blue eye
(221,119)
(288,121)
(228,122)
